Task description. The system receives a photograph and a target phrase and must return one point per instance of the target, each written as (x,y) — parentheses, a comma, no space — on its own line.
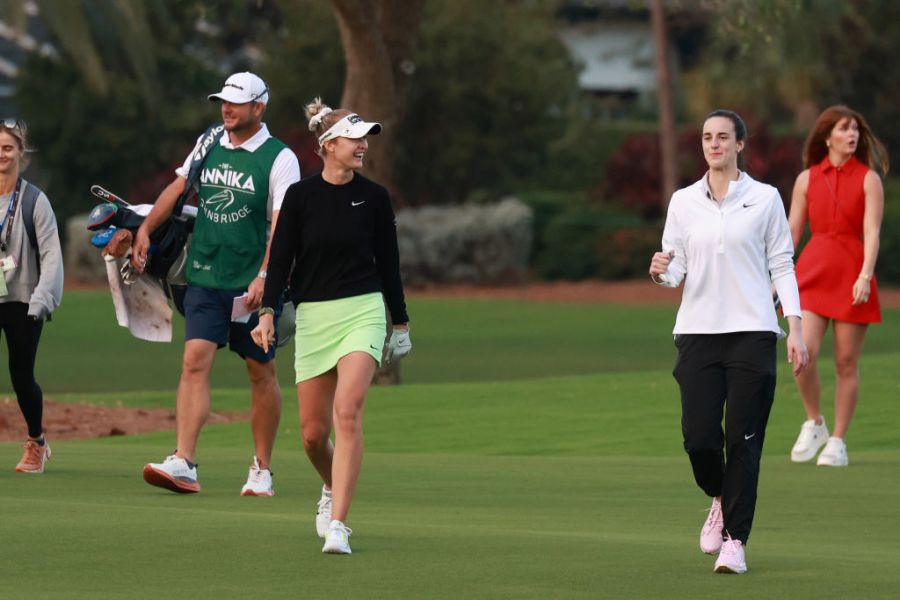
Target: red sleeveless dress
(830,263)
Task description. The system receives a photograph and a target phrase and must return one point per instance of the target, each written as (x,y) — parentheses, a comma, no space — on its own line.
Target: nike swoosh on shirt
(357,203)
(747,437)
(749,205)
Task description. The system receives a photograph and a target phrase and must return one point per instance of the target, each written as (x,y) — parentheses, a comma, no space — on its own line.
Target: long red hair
(869,150)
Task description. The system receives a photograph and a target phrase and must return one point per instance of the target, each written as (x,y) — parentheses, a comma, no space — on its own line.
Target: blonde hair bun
(315,112)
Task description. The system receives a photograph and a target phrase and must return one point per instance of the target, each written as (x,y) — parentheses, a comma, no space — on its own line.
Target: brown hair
(314,108)
(869,150)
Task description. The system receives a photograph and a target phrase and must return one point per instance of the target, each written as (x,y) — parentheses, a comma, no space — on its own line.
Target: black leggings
(22,337)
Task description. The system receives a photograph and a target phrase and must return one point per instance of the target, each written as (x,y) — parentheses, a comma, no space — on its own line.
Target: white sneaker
(259,481)
(811,438)
(731,558)
(711,533)
(174,473)
(323,513)
(834,454)
(337,540)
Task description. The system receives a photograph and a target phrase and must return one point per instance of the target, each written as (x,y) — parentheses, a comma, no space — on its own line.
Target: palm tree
(81,27)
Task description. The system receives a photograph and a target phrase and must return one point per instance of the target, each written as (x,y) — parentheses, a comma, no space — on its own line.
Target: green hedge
(577,239)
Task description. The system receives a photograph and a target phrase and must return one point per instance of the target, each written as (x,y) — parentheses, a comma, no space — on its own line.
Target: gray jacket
(42,294)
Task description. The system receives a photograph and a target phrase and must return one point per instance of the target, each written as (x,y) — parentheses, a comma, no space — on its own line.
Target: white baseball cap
(352,126)
(242,88)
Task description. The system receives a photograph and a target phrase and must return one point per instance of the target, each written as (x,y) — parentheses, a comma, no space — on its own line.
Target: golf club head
(101,216)
(128,274)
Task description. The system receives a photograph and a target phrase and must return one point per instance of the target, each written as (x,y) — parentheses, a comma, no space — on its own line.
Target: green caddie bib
(231,230)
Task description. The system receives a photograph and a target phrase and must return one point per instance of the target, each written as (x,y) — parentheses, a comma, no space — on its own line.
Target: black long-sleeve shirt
(341,241)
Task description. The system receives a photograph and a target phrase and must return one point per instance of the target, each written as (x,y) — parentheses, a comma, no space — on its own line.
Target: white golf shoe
(811,438)
(834,454)
(175,473)
(259,481)
(323,513)
(337,540)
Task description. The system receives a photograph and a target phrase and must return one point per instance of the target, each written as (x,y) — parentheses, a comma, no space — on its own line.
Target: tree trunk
(378,38)
(664,104)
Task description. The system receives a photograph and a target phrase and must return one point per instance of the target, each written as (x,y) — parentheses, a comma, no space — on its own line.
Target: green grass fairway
(553,479)
(454,340)
(83,350)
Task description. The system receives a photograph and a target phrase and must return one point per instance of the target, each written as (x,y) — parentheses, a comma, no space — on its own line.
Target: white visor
(351,126)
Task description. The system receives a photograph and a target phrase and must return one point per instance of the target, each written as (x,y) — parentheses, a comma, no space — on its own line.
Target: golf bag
(117,221)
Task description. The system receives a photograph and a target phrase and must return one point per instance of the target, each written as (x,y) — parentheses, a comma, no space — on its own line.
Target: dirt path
(64,421)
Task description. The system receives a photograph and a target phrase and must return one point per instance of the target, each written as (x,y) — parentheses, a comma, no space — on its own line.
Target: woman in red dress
(841,195)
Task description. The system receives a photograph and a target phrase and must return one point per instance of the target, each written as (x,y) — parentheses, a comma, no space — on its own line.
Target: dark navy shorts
(207,316)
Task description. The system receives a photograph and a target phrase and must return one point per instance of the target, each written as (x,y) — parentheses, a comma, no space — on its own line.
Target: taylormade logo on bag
(208,141)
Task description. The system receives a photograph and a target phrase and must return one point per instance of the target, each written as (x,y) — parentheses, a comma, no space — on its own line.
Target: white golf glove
(399,345)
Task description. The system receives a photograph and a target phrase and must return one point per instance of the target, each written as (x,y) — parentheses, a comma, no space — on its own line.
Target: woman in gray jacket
(32,283)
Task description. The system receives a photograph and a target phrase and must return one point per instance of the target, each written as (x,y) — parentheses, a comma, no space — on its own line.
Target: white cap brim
(347,128)
(237,97)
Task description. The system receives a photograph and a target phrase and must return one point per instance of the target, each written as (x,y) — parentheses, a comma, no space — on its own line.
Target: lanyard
(10,215)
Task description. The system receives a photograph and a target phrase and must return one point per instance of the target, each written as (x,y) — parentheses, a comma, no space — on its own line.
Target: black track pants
(22,337)
(734,374)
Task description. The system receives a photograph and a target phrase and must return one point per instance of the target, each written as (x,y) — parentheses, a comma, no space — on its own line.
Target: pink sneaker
(711,534)
(731,557)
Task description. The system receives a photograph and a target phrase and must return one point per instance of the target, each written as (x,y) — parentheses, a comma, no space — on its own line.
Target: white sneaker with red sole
(174,473)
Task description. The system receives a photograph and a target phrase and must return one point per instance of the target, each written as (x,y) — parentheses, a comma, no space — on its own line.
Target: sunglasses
(15,126)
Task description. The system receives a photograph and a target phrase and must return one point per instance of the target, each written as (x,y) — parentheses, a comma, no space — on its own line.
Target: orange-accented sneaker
(34,457)
(174,473)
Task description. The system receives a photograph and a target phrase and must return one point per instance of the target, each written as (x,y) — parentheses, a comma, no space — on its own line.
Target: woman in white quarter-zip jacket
(727,238)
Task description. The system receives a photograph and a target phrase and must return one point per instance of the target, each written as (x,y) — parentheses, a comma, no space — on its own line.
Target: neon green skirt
(331,329)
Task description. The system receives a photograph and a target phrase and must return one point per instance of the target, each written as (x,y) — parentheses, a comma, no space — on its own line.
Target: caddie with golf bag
(243,175)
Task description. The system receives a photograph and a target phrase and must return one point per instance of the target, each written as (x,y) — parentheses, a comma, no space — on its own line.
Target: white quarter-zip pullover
(728,255)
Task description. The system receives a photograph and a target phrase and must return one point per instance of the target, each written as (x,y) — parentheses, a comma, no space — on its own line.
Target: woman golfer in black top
(337,232)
